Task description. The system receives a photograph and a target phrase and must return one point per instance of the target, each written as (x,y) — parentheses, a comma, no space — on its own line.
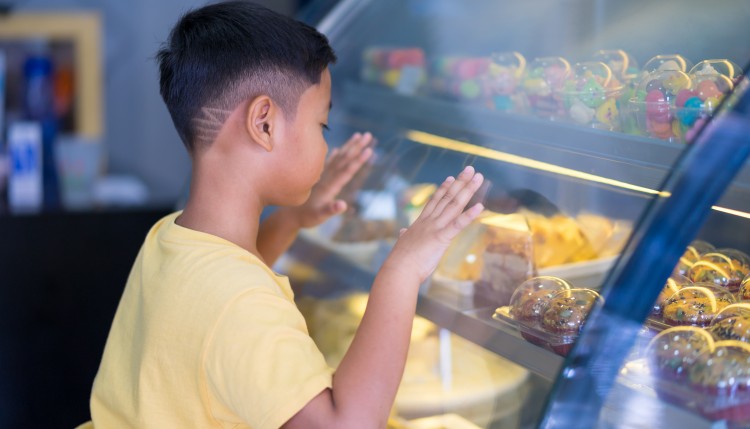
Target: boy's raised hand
(421,246)
(342,164)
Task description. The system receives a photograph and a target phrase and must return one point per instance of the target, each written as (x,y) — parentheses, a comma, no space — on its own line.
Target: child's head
(223,54)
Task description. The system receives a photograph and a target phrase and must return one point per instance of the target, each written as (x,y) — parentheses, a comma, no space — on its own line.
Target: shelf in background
(628,158)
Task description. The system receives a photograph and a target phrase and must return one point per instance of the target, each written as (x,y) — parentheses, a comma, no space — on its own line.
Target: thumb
(336,207)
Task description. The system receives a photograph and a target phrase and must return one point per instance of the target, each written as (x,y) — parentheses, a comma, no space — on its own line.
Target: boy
(206,335)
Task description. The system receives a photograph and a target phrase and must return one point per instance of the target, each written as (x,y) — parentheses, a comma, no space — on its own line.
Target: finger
(448,198)
(341,177)
(331,156)
(336,207)
(462,221)
(456,206)
(354,148)
(437,195)
(351,143)
(401,232)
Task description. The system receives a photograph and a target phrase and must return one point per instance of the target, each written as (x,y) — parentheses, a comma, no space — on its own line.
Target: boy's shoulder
(175,253)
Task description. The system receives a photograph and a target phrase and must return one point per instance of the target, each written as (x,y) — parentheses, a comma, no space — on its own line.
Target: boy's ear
(260,121)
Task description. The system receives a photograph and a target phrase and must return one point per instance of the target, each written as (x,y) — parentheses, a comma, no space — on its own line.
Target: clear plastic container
(531,299)
(674,283)
(724,267)
(590,95)
(653,109)
(623,65)
(394,67)
(544,77)
(566,315)
(692,254)
(744,293)
(720,380)
(504,78)
(664,62)
(696,305)
(732,323)
(548,312)
(672,352)
(460,78)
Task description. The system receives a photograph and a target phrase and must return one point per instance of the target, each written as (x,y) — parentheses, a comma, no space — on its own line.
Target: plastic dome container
(674,283)
(460,78)
(590,95)
(531,298)
(673,351)
(696,305)
(545,76)
(692,254)
(504,77)
(724,267)
(664,62)
(623,65)
(653,109)
(720,66)
(565,316)
(732,323)
(722,377)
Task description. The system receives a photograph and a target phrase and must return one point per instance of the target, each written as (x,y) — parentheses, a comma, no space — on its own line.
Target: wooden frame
(83,29)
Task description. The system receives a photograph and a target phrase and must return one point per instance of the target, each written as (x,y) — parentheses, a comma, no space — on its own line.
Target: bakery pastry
(722,375)
(691,255)
(732,323)
(566,315)
(696,305)
(529,302)
(673,285)
(532,298)
(506,262)
(672,352)
(557,240)
(725,267)
(744,293)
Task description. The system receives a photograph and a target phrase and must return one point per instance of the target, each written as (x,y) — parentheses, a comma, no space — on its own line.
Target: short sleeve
(261,363)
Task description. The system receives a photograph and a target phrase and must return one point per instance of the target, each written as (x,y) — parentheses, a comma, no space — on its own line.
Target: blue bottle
(39,106)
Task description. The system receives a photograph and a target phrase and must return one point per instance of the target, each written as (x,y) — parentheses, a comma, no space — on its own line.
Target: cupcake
(565,316)
(696,305)
(723,376)
(724,267)
(671,354)
(692,254)
(732,323)
(529,302)
(543,78)
(673,285)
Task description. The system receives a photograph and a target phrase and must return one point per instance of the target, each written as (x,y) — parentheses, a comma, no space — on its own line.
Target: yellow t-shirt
(205,336)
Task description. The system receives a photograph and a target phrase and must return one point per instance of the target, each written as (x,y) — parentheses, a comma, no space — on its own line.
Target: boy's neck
(223,214)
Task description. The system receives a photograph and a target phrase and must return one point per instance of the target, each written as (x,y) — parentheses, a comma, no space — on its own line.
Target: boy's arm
(280,229)
(366,381)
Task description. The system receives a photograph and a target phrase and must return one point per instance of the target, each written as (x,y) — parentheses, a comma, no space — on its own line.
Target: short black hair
(225,53)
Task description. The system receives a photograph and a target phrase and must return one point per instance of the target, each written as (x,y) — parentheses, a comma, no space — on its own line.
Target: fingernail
(450,179)
(468,169)
(477,177)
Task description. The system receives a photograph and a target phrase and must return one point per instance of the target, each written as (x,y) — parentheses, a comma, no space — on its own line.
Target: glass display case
(605,280)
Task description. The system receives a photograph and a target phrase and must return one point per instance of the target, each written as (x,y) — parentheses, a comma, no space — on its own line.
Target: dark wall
(61,277)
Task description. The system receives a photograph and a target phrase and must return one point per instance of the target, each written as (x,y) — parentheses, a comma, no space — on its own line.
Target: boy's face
(305,150)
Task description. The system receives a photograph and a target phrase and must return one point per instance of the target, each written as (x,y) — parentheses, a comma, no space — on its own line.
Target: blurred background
(84,72)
